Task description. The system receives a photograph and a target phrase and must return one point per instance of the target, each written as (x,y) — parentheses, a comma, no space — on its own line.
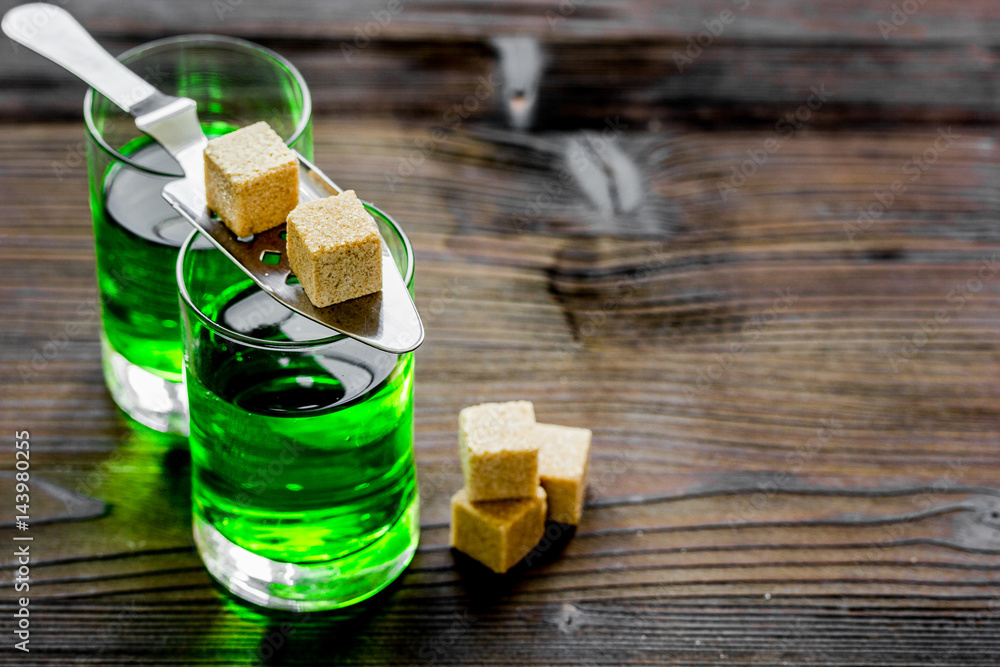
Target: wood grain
(794,402)
(799,500)
(642,61)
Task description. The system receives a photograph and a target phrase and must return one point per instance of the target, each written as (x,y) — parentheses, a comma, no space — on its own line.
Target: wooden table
(795,409)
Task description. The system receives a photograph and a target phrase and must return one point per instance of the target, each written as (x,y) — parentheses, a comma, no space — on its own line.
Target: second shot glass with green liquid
(304,484)
(137,234)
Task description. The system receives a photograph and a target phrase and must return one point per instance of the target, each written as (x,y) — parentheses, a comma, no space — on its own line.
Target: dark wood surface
(794,463)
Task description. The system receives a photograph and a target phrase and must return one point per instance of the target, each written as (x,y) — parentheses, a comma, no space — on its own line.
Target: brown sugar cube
(499,533)
(563,461)
(499,459)
(251,179)
(334,248)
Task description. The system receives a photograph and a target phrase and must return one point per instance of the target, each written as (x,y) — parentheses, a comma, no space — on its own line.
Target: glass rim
(207,39)
(260,343)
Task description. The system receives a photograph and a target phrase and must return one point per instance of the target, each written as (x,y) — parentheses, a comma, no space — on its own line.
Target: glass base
(147,398)
(314,586)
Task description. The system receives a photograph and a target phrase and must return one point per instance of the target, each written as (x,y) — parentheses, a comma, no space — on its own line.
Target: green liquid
(137,236)
(300,458)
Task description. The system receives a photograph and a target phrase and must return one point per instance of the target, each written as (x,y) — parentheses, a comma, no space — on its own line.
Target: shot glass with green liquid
(303,478)
(137,234)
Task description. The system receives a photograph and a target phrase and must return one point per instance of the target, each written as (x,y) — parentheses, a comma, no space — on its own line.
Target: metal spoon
(387,320)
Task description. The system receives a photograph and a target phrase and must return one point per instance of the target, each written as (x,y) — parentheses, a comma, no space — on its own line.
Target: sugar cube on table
(499,459)
(498,533)
(251,179)
(563,462)
(334,249)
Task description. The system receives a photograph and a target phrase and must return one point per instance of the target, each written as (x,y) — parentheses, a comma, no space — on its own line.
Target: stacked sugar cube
(518,473)
(333,244)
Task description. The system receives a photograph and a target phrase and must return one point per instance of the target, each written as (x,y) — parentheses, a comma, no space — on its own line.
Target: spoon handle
(53,33)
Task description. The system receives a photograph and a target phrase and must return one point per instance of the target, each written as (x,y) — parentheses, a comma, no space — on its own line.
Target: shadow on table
(484,586)
(317,637)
